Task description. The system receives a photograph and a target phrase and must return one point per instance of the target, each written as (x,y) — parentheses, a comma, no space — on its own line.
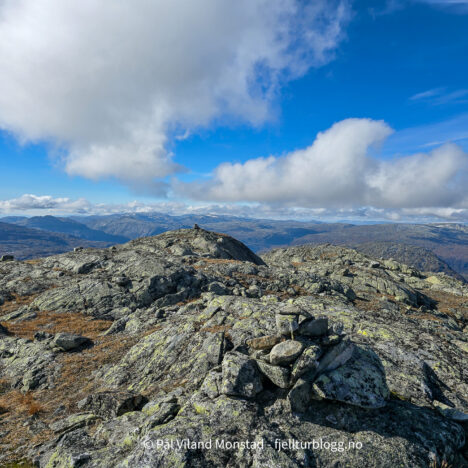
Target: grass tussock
(22,404)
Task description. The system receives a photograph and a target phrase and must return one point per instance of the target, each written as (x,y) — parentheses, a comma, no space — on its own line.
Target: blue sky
(404,63)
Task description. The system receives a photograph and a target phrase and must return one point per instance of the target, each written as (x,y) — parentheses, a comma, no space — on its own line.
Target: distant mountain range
(25,243)
(428,247)
(65,226)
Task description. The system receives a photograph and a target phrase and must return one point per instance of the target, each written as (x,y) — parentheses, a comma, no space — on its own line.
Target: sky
(299,109)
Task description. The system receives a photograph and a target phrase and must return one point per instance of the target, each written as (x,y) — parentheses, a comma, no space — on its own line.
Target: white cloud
(427,94)
(458,6)
(30,203)
(111,81)
(339,171)
(35,205)
(440,96)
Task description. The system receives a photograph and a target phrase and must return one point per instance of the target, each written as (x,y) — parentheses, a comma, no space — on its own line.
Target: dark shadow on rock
(421,426)
(435,386)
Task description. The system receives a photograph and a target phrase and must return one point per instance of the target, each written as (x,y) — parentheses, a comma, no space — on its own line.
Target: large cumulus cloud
(110,81)
(340,170)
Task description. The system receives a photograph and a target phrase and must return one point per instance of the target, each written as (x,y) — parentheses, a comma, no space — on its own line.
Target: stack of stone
(311,360)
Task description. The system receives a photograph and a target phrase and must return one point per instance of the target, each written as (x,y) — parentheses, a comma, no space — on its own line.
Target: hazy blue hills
(66,226)
(428,247)
(26,243)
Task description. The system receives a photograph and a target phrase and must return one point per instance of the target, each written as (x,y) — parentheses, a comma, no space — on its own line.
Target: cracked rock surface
(189,335)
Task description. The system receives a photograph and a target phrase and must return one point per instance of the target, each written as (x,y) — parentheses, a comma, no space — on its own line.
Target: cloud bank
(29,204)
(339,171)
(110,82)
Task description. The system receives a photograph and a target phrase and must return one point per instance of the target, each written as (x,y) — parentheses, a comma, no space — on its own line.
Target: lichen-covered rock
(73,422)
(111,403)
(336,357)
(69,341)
(191,323)
(360,381)
(28,365)
(307,362)
(240,376)
(286,324)
(276,374)
(264,342)
(286,352)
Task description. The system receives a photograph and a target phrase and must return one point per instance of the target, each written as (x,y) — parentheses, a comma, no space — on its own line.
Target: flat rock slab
(360,382)
(286,352)
(264,342)
(336,356)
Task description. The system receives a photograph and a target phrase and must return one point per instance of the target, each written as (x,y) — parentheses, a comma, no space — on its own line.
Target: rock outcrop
(187,349)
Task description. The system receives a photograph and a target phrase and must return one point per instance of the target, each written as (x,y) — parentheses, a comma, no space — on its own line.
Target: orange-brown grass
(367,305)
(55,322)
(446,302)
(19,408)
(329,255)
(78,368)
(431,317)
(18,301)
(187,301)
(76,380)
(17,402)
(375,302)
(33,261)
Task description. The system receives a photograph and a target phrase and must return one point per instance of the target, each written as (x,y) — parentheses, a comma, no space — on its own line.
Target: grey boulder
(240,376)
(285,352)
(360,382)
(69,341)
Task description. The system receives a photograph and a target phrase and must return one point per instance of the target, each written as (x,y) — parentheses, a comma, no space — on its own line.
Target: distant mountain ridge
(418,257)
(66,226)
(26,243)
(438,247)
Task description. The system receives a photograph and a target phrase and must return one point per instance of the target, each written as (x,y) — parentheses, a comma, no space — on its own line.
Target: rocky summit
(188,350)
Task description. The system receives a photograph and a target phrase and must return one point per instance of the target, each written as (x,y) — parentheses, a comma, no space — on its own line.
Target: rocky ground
(144,354)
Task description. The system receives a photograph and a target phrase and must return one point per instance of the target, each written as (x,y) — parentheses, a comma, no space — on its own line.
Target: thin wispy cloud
(427,94)
(456,6)
(441,96)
